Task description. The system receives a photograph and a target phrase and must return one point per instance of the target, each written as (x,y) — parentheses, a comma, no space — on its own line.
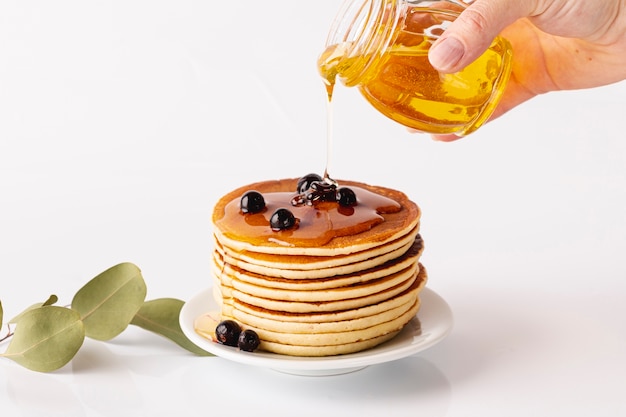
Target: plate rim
(435,320)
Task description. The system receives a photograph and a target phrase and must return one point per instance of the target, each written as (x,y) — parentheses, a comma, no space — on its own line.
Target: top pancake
(240,232)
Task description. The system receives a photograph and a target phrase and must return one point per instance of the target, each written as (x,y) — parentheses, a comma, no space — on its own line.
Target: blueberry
(346,197)
(324,191)
(248,340)
(282,219)
(227,332)
(305,182)
(252,202)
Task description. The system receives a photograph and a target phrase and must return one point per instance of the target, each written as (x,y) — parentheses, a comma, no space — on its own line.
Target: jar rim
(367,26)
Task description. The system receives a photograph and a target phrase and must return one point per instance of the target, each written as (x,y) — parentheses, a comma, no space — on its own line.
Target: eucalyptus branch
(45,337)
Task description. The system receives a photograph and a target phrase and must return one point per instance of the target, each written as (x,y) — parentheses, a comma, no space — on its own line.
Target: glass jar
(381,47)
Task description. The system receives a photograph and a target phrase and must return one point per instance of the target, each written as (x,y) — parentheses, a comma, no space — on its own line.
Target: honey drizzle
(329,137)
(317,224)
(328,68)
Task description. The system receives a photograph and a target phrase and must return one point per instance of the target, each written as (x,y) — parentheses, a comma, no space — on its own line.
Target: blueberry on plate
(248,340)
(227,332)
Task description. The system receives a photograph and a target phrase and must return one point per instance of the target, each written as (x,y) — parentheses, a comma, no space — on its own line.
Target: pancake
(320,296)
(318,338)
(242,235)
(334,316)
(335,343)
(319,272)
(340,276)
(319,351)
(310,263)
(228,271)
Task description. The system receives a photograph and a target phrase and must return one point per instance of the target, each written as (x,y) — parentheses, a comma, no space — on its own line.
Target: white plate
(430,326)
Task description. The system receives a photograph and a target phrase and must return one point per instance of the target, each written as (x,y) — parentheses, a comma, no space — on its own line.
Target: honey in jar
(381,47)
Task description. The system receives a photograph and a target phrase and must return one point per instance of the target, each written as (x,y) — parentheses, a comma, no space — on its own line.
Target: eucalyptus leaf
(46,338)
(50,301)
(160,316)
(109,301)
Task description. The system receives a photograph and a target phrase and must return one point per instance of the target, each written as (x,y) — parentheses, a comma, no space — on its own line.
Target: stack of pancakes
(306,297)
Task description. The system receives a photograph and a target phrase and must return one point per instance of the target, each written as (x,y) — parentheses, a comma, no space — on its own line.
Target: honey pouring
(381,47)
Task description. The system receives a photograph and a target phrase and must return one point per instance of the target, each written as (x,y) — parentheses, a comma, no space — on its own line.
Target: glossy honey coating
(378,213)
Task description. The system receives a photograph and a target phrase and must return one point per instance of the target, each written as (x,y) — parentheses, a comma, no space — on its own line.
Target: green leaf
(161,317)
(109,301)
(46,338)
(50,301)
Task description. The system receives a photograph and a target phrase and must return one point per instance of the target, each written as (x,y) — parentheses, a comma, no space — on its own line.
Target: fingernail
(446,54)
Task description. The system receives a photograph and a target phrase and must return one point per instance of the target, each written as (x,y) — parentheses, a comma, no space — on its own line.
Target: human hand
(557,45)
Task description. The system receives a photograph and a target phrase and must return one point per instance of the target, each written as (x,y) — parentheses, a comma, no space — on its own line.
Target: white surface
(121,123)
(429,327)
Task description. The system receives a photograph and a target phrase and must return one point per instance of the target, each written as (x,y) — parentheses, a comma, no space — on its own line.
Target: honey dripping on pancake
(321,219)
(328,66)
(317,224)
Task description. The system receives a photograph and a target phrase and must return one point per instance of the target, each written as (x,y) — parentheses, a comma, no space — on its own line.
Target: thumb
(473,31)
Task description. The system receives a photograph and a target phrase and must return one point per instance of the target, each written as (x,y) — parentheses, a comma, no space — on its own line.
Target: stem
(8,335)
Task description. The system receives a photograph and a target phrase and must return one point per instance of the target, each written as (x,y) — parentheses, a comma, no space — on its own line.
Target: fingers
(473,31)
(445,138)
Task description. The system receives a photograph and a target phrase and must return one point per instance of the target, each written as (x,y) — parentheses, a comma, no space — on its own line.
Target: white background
(122,122)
